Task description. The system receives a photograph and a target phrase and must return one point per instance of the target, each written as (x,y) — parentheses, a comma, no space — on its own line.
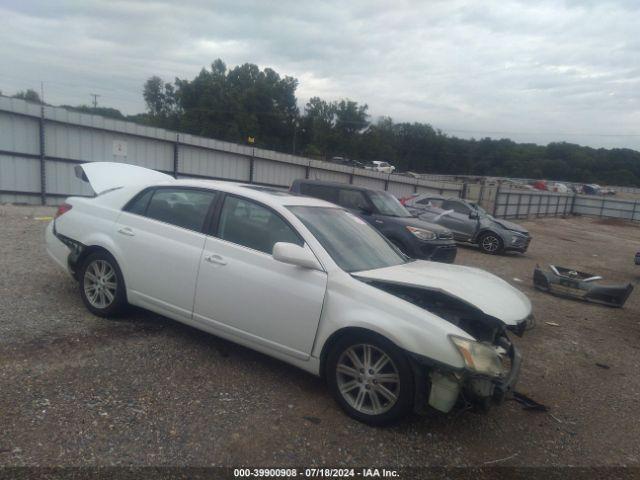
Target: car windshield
(352,243)
(387,204)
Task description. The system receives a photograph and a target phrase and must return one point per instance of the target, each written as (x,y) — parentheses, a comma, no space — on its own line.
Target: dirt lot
(79,390)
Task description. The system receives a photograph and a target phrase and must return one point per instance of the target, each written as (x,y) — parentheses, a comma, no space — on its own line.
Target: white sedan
(296,278)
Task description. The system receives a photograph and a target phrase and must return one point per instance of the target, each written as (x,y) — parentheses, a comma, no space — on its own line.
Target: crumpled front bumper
(447,386)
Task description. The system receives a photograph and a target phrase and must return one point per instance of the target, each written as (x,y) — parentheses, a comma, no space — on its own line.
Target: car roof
(336,185)
(266,194)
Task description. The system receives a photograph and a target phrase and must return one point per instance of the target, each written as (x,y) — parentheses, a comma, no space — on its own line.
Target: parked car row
(300,279)
(376,165)
(413,236)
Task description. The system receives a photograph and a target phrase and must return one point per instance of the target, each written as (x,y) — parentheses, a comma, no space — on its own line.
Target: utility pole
(95,99)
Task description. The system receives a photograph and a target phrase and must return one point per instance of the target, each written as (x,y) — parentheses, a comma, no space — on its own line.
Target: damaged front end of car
(491,360)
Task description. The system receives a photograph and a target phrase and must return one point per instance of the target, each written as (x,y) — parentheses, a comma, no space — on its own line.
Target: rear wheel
(490,243)
(102,285)
(370,378)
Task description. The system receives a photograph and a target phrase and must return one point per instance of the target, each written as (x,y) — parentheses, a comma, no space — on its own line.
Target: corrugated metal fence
(40,145)
(533,203)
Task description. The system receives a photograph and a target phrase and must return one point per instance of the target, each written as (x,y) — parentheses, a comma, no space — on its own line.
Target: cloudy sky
(535,71)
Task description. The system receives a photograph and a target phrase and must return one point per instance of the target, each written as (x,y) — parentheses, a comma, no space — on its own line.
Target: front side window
(251,225)
(352,199)
(352,243)
(457,207)
(387,204)
(182,207)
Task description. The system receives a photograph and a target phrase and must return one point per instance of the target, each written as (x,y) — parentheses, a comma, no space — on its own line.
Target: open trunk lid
(104,176)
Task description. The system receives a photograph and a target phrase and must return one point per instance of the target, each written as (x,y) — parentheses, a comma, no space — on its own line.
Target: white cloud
(533,71)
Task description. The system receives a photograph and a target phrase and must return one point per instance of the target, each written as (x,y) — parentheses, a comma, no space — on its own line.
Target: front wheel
(370,378)
(102,285)
(490,243)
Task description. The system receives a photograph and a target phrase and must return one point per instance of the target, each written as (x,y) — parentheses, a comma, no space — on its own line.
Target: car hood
(485,291)
(104,176)
(509,225)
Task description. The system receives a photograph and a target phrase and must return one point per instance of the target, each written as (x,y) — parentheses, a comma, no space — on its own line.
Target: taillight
(62,209)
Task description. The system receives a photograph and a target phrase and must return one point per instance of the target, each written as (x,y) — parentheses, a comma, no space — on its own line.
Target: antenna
(95,99)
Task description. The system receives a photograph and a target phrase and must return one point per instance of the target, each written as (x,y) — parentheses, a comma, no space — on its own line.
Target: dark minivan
(415,237)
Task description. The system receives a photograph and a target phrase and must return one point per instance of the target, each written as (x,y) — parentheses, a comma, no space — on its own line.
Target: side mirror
(295,255)
(474,215)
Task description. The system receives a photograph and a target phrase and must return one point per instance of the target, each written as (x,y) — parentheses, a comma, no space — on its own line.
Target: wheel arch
(344,332)
(484,231)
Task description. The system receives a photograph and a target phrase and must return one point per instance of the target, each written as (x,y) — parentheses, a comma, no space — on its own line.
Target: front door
(245,294)
(458,220)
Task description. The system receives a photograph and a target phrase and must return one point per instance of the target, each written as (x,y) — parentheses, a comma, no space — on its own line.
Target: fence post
(633,214)
(175,156)
(518,207)
(602,208)
(529,206)
(415,186)
(557,205)
(495,201)
(251,162)
(43,171)
(573,203)
(386,182)
(463,194)
(353,169)
(307,170)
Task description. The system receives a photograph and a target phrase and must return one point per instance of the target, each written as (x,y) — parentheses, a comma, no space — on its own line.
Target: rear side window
(352,199)
(139,204)
(323,192)
(435,202)
(181,207)
(251,225)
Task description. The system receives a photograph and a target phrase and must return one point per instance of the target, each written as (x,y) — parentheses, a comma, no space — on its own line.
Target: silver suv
(470,223)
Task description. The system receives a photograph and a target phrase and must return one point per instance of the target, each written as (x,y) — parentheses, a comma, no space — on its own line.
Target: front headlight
(479,357)
(422,233)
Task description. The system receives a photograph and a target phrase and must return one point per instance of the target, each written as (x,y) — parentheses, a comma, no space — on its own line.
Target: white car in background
(297,278)
(378,166)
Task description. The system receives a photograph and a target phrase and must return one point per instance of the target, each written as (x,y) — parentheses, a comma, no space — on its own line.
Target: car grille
(445,236)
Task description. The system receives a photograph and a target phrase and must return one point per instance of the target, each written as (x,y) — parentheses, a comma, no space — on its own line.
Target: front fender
(350,303)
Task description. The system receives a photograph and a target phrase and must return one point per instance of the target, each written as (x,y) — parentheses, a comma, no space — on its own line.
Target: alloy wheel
(100,284)
(368,379)
(490,243)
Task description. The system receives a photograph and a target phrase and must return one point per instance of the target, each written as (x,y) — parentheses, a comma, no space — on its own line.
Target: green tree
(29,95)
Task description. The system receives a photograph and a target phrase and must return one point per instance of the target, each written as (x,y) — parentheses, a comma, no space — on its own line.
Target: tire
(377,398)
(102,285)
(490,243)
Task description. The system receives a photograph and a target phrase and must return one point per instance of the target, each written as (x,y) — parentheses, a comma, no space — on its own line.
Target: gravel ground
(144,390)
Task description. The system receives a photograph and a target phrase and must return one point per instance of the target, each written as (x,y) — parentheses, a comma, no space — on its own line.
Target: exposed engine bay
(463,315)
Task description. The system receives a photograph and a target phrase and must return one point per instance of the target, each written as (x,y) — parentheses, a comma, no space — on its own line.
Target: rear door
(160,235)
(248,296)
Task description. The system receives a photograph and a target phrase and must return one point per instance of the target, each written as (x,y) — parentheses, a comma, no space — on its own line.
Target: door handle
(215,259)
(127,232)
